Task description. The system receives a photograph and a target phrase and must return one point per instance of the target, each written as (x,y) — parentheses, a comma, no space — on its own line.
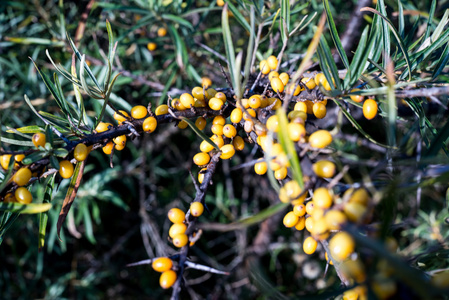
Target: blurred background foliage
(119,216)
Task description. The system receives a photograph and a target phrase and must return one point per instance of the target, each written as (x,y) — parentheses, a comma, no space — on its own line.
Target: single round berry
(299,210)
(180,240)
(341,245)
(139,112)
(175,215)
(319,78)
(205,146)
(324,168)
(301,106)
(39,139)
(261,167)
(264,68)
(161,32)
(19,157)
(151,46)
(356,98)
(272,62)
(216,104)
(121,117)
(217,129)
(200,123)
(65,169)
(296,131)
(284,77)
(281,173)
(80,153)
(236,115)
(320,139)
(334,219)
(167,279)
(238,143)
(320,229)
(221,96)
(210,93)
(248,114)
(199,93)
(255,101)
(319,110)
(107,149)
(102,127)
(322,198)
(370,109)
(120,140)
(187,100)
(309,224)
(177,228)
(219,120)
(206,82)
(176,103)
(22,176)
(227,151)
(200,103)
(149,124)
(273,74)
(273,123)
(360,196)
(162,264)
(277,85)
(309,82)
(183,124)
(23,196)
(4,161)
(229,131)
(218,140)
(310,245)
(310,206)
(301,223)
(201,159)
(290,219)
(196,209)
(161,110)
(355,211)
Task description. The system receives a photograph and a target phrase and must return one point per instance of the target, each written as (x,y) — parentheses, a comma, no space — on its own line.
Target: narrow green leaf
(32,208)
(238,16)
(229,46)
(285,20)
(200,133)
(43,216)
(429,19)
(358,61)
(401,20)
(442,62)
(16,142)
(34,157)
(28,129)
(106,100)
(176,19)
(331,66)
(34,41)
(182,57)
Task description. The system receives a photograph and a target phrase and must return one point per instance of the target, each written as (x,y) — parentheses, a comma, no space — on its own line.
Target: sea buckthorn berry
(320,139)
(322,198)
(264,68)
(238,143)
(176,103)
(183,124)
(102,127)
(359,292)
(4,160)
(180,240)
(310,245)
(219,120)
(120,147)
(273,123)
(9,198)
(220,3)
(236,115)
(149,124)
(290,220)
(281,173)
(215,104)
(334,219)
(320,229)
(218,140)
(39,139)
(341,245)
(200,123)
(217,129)
(177,228)
(201,175)
(284,78)
(80,153)
(22,176)
(151,46)
(161,32)
(294,89)
(200,103)
(356,98)
(324,168)
(319,78)
(261,167)
(355,211)
(369,109)
(205,146)
(301,106)
(121,117)
(301,223)
(297,116)
(210,93)
(175,215)
(161,110)
(310,206)
(277,85)
(319,110)
(291,192)
(328,260)
(227,151)
(167,279)
(187,100)
(201,159)
(309,105)
(221,96)
(107,149)
(309,224)
(206,82)
(199,93)
(309,82)
(162,264)
(244,103)
(272,62)
(23,196)
(260,129)
(248,126)
(19,157)
(254,101)
(139,112)
(196,209)
(229,131)
(120,140)
(276,101)
(65,169)
(360,196)
(318,213)
(299,210)
(248,114)
(296,131)
(327,86)
(273,74)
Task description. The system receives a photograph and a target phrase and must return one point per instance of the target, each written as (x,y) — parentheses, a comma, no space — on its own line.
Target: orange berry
(19,157)
(238,143)
(39,139)
(341,245)
(183,124)
(180,240)
(273,123)
(121,117)
(102,127)
(320,139)
(139,112)
(120,140)
(229,131)
(167,279)
(107,149)
(201,159)
(322,198)
(162,264)
(299,210)
(356,98)
(272,62)
(201,123)
(196,209)
(80,153)
(175,215)
(296,131)
(261,167)
(236,115)
(219,120)
(23,196)
(65,169)
(22,176)
(319,110)
(161,32)
(284,77)
(217,129)
(309,82)
(324,168)
(187,100)
(227,151)
(290,220)
(149,124)
(334,219)
(177,228)
(301,223)
(216,104)
(369,109)
(310,245)
(206,82)
(277,85)
(4,161)
(151,46)
(161,110)
(264,68)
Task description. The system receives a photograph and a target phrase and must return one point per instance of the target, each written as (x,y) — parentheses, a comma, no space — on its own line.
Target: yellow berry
(276,101)
(210,93)
(324,168)
(215,104)
(299,210)
(219,120)
(206,82)
(65,169)
(4,160)
(281,174)
(161,32)
(301,106)
(273,74)
(273,123)
(162,264)
(177,228)
(167,279)
(236,115)
(175,215)
(80,153)
(320,139)
(23,196)
(221,96)
(139,112)
(120,140)
(322,198)
(238,143)
(355,211)
(290,220)
(217,129)
(334,219)
(296,131)
(199,93)
(309,224)
(310,207)
(369,109)
(254,101)
(264,68)
(121,117)
(261,167)
(309,82)
(356,98)
(176,103)
(205,146)
(294,89)
(200,123)
(161,110)
(102,127)
(272,62)
(227,151)
(39,139)
(284,78)
(327,259)
(319,78)
(201,159)
(360,196)
(248,114)
(218,140)
(187,100)
(196,209)
(151,46)
(180,240)
(19,157)
(341,245)
(183,124)
(277,85)
(291,192)
(301,223)
(22,176)
(149,124)
(107,149)
(310,245)
(319,110)
(229,131)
